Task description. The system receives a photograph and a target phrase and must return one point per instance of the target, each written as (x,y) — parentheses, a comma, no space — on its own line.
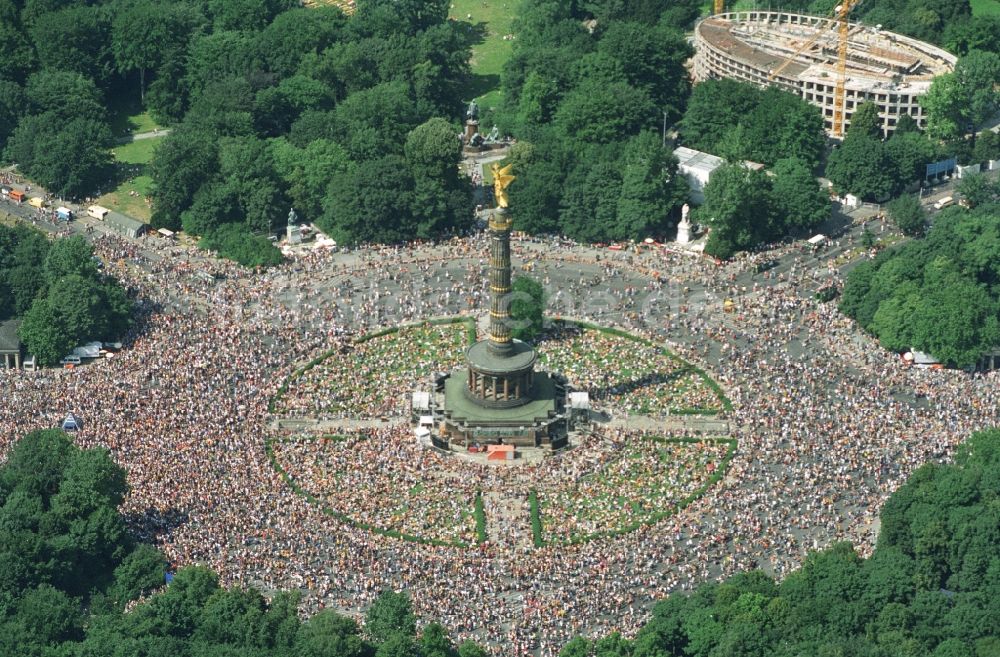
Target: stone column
(500,341)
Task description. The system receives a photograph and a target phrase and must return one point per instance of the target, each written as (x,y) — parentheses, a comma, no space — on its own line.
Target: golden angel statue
(502,178)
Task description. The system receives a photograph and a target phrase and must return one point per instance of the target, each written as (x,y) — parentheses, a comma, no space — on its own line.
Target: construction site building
(889,69)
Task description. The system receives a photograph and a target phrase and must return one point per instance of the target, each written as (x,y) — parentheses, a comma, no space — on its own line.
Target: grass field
(131,160)
(985,7)
(491,20)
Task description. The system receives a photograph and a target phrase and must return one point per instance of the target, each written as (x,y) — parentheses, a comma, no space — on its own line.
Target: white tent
(421,401)
(579,400)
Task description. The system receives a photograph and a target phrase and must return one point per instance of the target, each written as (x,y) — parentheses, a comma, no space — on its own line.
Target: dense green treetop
(739,121)
(59,292)
(940,294)
(587,101)
(746,208)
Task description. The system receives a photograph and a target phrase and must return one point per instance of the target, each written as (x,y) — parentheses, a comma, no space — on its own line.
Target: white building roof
(692,160)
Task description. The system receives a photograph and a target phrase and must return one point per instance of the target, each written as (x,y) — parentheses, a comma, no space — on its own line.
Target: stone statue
(684,227)
(293,218)
(472,113)
(502,178)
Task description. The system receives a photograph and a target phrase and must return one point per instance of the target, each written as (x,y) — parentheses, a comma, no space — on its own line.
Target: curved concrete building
(890,69)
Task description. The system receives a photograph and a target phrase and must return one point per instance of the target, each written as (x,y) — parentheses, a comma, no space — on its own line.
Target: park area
(612,483)
(650,478)
(372,375)
(627,373)
(131,160)
(384,482)
(985,7)
(492,21)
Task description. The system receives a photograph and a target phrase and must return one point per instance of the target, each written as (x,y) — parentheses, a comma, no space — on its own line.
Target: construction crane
(839,19)
(843,31)
(720,6)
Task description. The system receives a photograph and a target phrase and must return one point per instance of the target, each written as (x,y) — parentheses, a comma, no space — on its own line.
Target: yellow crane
(839,19)
(843,30)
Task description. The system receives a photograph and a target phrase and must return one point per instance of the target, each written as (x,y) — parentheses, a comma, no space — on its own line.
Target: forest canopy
(587,105)
(939,294)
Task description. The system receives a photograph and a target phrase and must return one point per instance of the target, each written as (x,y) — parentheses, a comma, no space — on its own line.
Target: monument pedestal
(471,130)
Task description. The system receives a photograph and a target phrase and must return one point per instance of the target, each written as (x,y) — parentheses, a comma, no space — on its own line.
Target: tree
(800,202)
(469,648)
(145,33)
(527,307)
(862,167)
(138,574)
(183,161)
(441,199)
(908,215)
(978,190)
(946,107)
(978,74)
(12,107)
(958,102)
(741,122)
(44,335)
(577,647)
(651,188)
(69,158)
(714,107)
(595,112)
(232,241)
(73,39)
(17,57)
(329,635)
(307,172)
(652,58)
(434,642)
(71,256)
(589,211)
(738,208)
(49,616)
(976,33)
(370,203)
(987,146)
(65,94)
(866,121)
(910,153)
(391,614)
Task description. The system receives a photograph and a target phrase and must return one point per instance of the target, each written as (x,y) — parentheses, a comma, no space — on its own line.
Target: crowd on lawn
(384,478)
(625,374)
(827,423)
(371,378)
(649,478)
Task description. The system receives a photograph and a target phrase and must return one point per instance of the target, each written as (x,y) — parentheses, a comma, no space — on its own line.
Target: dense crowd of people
(371,378)
(626,374)
(828,425)
(610,481)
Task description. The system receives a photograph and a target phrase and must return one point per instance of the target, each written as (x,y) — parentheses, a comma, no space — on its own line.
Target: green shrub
(233,242)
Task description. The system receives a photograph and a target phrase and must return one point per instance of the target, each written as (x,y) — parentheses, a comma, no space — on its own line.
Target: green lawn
(492,20)
(130,197)
(985,7)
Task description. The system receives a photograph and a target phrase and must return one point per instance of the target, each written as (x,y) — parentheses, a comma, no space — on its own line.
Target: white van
(945,202)
(97,212)
(72,359)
